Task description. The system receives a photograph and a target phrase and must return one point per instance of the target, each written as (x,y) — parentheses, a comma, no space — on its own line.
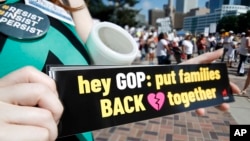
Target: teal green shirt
(56,47)
(17,53)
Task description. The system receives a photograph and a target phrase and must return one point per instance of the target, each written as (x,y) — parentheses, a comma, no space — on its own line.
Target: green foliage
(125,17)
(131,3)
(119,12)
(228,23)
(244,21)
(238,23)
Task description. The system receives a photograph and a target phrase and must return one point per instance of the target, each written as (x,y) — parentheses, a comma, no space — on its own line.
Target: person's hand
(209,58)
(29,106)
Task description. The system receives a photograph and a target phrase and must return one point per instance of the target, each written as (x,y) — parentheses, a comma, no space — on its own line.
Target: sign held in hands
(96,97)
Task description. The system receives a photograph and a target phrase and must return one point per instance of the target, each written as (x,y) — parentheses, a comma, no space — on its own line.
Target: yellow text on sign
(185,98)
(94,86)
(182,77)
(128,105)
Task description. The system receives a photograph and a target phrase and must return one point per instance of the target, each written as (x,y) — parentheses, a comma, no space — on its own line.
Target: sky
(145,5)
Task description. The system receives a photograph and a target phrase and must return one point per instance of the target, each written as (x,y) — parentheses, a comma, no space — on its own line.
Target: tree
(99,10)
(126,17)
(119,12)
(238,23)
(228,23)
(244,21)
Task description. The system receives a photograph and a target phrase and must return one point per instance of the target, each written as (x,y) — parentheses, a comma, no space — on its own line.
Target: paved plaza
(186,126)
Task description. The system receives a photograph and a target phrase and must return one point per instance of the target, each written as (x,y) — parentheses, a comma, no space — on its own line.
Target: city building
(186,14)
(183,6)
(244,2)
(215,4)
(179,17)
(169,12)
(141,19)
(182,9)
(154,14)
(197,24)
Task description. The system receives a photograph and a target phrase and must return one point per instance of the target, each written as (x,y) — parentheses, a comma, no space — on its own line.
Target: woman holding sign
(17,95)
(29,105)
(35,37)
(38,33)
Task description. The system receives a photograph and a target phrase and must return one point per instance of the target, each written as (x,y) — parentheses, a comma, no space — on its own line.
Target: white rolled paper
(109,44)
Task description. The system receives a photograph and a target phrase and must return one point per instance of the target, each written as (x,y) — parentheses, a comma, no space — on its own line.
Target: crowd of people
(184,47)
(162,46)
(30,108)
(174,49)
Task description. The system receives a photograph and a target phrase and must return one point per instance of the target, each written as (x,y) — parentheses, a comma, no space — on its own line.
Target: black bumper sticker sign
(96,97)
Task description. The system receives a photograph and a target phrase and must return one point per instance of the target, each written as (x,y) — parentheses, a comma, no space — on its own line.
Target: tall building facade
(215,4)
(237,2)
(183,6)
(245,2)
(169,11)
(197,24)
(229,2)
(154,14)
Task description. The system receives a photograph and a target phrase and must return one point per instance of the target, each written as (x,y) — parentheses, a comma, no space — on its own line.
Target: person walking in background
(176,49)
(136,38)
(188,47)
(220,41)
(151,48)
(212,42)
(163,50)
(231,53)
(194,40)
(247,47)
(146,47)
(201,44)
(237,39)
(142,46)
(243,52)
(227,44)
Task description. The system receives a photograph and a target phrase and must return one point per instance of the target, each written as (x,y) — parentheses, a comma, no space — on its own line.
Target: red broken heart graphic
(156,100)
